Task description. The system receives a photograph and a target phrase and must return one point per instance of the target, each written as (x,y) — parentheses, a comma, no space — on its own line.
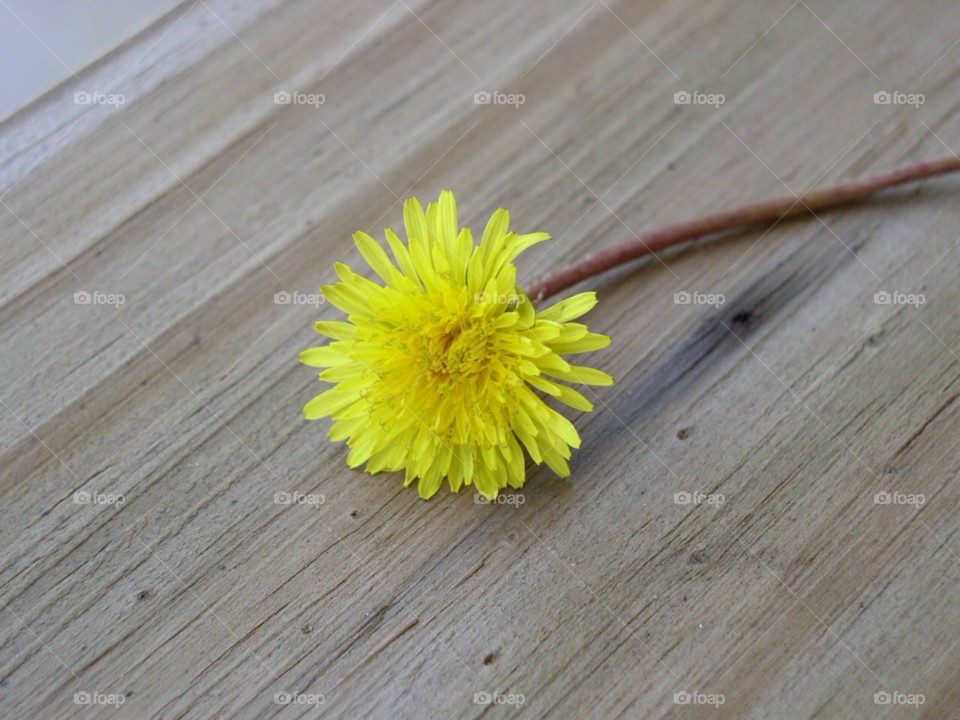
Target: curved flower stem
(755,213)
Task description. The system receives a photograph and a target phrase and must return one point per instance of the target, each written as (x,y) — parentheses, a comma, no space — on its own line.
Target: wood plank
(798,399)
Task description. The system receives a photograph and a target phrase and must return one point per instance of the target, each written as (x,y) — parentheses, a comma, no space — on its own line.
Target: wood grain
(797,399)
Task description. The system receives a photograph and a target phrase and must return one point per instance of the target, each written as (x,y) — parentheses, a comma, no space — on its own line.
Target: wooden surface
(798,399)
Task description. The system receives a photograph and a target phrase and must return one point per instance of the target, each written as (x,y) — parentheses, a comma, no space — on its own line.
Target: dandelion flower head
(444,370)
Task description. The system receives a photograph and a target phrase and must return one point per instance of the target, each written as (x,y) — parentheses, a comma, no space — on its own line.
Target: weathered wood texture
(798,399)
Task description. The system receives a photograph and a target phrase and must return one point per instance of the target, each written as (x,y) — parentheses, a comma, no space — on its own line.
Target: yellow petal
(493,234)
(402,255)
(583,375)
(588,343)
(327,403)
(569,309)
(571,397)
(336,329)
(325,356)
(415,221)
(376,257)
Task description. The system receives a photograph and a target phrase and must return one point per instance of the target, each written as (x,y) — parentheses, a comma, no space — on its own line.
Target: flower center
(447,364)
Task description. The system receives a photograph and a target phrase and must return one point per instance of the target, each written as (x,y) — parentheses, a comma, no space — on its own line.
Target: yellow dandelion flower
(436,370)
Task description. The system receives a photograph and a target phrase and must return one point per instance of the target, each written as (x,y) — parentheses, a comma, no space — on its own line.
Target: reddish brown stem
(753,214)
